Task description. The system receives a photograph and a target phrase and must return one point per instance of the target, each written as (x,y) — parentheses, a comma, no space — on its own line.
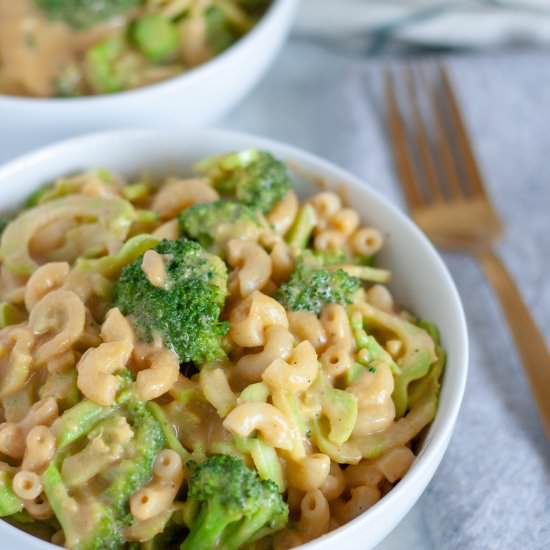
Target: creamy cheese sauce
(34,50)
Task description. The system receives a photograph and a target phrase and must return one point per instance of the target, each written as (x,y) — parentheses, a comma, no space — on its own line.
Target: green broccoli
(312,286)
(99,532)
(300,232)
(85,13)
(9,502)
(220,32)
(104,71)
(3,224)
(185,311)
(253,177)
(212,224)
(135,471)
(156,36)
(106,514)
(232,506)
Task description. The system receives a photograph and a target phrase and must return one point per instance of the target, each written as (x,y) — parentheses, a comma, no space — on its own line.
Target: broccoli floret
(85,13)
(312,286)
(253,177)
(156,36)
(104,66)
(185,311)
(232,505)
(213,224)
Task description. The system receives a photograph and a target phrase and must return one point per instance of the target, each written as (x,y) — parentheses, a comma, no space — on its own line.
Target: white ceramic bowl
(192,99)
(420,280)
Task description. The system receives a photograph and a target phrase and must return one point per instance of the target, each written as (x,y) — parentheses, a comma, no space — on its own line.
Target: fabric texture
(439,23)
(492,490)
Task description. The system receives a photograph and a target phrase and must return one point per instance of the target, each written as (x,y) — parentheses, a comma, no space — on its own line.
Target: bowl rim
(163,86)
(428,459)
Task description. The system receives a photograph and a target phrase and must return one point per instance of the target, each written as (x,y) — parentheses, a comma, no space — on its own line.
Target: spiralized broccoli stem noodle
(205,371)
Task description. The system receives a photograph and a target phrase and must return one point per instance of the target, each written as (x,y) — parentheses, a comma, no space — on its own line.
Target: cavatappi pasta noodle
(167,347)
(67,48)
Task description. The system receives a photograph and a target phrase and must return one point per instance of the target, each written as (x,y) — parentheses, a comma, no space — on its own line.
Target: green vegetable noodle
(9,503)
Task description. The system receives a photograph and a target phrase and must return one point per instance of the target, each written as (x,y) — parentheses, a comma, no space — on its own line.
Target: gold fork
(445,193)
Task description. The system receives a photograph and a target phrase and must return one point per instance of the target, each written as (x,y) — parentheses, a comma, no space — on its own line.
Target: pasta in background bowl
(298,359)
(71,48)
(190,99)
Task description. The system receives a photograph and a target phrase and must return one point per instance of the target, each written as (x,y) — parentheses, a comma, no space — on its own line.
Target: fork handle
(529,340)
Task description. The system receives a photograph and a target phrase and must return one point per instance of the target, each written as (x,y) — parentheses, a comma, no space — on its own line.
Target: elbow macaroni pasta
(297,374)
(283,213)
(179,194)
(305,325)
(96,372)
(264,418)
(96,368)
(376,408)
(43,280)
(253,316)
(335,321)
(13,436)
(27,485)
(282,262)
(315,517)
(153,267)
(40,449)
(278,345)
(252,264)
(158,495)
(309,473)
(160,377)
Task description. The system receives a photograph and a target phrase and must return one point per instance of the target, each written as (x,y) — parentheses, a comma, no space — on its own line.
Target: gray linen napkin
(435,23)
(492,490)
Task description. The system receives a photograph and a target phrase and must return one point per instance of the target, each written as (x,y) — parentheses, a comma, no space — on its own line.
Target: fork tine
(423,140)
(467,155)
(401,150)
(443,145)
